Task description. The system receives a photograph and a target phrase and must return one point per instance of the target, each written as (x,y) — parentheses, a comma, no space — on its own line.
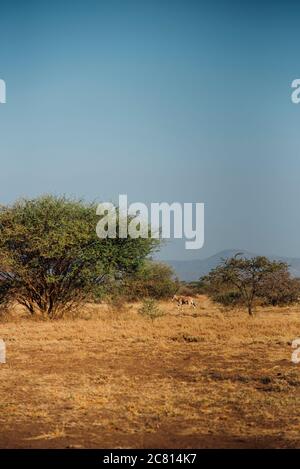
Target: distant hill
(194,269)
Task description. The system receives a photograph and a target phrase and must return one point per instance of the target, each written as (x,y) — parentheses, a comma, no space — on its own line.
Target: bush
(151,280)
(229,298)
(150,309)
(193,288)
(279,289)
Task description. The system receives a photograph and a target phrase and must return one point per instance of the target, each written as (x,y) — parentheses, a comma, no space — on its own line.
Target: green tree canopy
(152,280)
(244,275)
(51,258)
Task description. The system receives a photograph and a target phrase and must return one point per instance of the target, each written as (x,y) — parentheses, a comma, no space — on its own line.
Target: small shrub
(191,288)
(150,309)
(152,280)
(230,298)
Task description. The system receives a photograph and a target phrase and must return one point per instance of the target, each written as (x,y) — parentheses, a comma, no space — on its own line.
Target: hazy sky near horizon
(186,101)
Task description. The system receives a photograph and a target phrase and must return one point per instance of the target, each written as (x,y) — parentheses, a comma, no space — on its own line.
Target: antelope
(184,300)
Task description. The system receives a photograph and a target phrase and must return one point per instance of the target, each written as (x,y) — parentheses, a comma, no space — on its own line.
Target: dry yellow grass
(196,378)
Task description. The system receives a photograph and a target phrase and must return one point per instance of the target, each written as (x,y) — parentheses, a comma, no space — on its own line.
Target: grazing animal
(184,300)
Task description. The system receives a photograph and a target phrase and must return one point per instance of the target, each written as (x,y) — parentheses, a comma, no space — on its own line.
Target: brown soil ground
(202,378)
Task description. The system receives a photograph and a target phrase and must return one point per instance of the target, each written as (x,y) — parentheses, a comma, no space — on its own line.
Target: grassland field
(110,378)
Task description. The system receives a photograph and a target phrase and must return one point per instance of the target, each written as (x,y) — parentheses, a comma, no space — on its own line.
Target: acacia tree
(51,258)
(244,275)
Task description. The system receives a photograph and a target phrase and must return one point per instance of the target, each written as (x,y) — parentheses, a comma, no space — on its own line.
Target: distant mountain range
(194,269)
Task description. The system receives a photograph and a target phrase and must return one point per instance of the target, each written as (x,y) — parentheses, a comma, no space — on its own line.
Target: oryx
(184,300)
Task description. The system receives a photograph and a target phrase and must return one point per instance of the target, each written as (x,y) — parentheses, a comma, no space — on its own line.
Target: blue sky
(184,101)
